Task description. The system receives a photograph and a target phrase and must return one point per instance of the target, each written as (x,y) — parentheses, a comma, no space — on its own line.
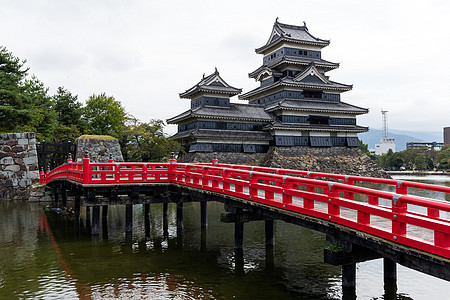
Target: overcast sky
(144,53)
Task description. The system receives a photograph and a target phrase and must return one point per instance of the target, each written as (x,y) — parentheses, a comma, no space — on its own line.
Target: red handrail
(392,216)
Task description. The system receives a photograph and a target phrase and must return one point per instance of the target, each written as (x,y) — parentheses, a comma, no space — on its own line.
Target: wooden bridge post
(56,196)
(77,205)
(63,195)
(105,221)
(269,233)
(204,216)
(128,218)
(390,273)
(238,231)
(95,227)
(180,216)
(165,219)
(147,219)
(349,281)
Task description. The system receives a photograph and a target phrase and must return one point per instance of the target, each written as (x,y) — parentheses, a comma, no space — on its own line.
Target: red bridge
(397,225)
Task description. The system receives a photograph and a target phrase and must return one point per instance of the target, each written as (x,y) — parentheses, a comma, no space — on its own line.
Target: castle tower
(305,104)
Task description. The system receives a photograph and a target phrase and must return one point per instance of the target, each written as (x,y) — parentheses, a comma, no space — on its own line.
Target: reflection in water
(46,257)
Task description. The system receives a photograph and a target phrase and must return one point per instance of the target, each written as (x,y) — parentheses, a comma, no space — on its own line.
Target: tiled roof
(312,127)
(316,106)
(224,135)
(292,33)
(331,85)
(236,111)
(211,83)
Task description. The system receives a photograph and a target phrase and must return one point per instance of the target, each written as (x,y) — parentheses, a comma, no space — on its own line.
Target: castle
(296,103)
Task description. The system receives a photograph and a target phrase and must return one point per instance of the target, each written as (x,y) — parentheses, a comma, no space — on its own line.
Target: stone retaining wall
(99,149)
(18,165)
(340,160)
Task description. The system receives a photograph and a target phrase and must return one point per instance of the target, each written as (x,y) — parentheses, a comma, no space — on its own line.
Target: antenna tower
(385,126)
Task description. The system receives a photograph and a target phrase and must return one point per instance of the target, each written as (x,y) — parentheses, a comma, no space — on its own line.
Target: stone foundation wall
(18,165)
(340,160)
(98,149)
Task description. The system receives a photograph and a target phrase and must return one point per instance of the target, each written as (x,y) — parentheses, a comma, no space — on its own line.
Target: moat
(46,257)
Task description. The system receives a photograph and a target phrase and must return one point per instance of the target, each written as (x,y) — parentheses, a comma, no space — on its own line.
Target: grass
(96,137)
(335,247)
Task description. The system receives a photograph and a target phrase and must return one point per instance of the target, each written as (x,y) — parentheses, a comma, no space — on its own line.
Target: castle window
(312,94)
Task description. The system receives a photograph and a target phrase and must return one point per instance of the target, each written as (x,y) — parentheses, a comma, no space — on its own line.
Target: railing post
(86,169)
(398,209)
(110,159)
(215,161)
(333,209)
(42,176)
(287,198)
(172,161)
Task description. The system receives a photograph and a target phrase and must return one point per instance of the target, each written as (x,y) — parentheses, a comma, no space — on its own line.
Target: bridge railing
(400,185)
(397,217)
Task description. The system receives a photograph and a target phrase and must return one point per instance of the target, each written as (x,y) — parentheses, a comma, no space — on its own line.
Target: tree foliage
(104,115)
(146,141)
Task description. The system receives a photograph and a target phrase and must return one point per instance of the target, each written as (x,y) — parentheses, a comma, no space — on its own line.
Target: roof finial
(216,72)
(304,23)
(203,75)
(276,20)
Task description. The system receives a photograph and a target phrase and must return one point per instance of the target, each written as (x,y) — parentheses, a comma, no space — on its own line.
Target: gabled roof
(304,83)
(291,33)
(214,134)
(305,61)
(264,70)
(277,125)
(236,111)
(213,84)
(316,106)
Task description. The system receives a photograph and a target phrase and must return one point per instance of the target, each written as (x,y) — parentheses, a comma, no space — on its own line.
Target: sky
(144,52)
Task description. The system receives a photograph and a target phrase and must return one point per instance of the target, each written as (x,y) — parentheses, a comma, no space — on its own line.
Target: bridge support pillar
(179,216)
(56,196)
(77,205)
(269,233)
(146,210)
(147,219)
(165,219)
(105,221)
(349,281)
(128,218)
(238,231)
(204,216)
(390,276)
(95,227)
(63,196)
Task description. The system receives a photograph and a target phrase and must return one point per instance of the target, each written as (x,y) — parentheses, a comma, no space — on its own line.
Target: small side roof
(236,111)
(291,33)
(316,106)
(213,84)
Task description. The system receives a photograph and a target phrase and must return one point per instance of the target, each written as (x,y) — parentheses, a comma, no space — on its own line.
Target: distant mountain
(373,136)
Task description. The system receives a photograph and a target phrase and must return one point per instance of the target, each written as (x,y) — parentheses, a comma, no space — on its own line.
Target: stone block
(7,161)
(11,142)
(32,153)
(12,136)
(6,148)
(24,182)
(30,160)
(22,142)
(17,149)
(32,141)
(12,168)
(33,175)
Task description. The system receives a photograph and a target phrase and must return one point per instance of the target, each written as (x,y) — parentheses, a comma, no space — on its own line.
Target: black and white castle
(296,103)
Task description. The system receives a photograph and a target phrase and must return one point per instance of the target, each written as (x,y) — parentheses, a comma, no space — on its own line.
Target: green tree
(104,115)
(69,111)
(24,103)
(147,141)
(421,162)
(443,158)
(14,109)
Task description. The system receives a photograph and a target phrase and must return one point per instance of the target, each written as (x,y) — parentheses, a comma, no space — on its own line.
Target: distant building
(384,146)
(296,103)
(430,145)
(386,143)
(446,135)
